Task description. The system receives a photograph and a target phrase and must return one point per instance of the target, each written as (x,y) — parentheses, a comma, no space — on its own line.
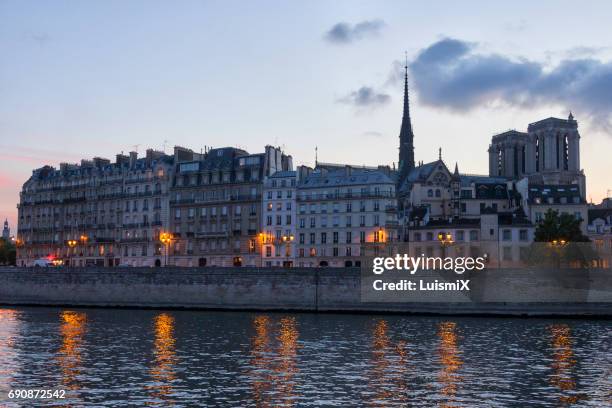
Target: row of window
(192,212)
(539,216)
(279,194)
(312,252)
(459,235)
(348,193)
(279,206)
(335,207)
(335,237)
(279,220)
(348,221)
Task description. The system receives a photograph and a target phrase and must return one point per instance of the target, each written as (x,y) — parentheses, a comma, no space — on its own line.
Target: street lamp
(84,238)
(287,239)
(71,244)
(446,239)
(559,243)
(165,238)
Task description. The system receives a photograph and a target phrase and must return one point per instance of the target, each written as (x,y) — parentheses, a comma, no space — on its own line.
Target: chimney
(133,157)
(120,159)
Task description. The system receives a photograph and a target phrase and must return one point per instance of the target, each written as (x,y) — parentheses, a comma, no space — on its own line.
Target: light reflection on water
(72,329)
(185,358)
(9,359)
(162,370)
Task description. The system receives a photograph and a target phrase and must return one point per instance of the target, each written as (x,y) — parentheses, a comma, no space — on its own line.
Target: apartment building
(501,238)
(341,208)
(279,209)
(215,205)
(96,212)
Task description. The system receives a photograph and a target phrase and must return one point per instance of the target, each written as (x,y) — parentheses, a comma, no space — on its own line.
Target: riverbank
(500,292)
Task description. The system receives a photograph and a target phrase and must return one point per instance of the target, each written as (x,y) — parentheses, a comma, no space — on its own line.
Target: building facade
(599,231)
(279,209)
(548,154)
(6,231)
(215,205)
(96,212)
(341,208)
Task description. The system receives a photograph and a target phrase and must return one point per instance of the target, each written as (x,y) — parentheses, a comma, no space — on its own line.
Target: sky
(96,78)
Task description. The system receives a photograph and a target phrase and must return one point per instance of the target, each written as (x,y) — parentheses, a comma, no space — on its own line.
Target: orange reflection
(260,351)
(162,371)
(9,327)
(563,362)
(450,358)
(287,365)
(273,371)
(72,330)
(389,367)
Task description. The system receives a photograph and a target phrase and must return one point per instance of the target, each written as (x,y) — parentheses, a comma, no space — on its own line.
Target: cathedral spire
(406,149)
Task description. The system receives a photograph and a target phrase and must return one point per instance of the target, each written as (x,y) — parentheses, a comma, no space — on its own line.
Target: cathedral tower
(406,148)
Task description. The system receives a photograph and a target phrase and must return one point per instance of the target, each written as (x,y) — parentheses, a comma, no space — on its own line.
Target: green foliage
(555,227)
(559,242)
(8,253)
(572,254)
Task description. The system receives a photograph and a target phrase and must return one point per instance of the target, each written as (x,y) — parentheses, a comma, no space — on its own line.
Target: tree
(8,252)
(555,227)
(560,241)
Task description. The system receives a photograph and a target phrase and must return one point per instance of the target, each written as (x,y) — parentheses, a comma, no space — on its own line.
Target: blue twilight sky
(94,78)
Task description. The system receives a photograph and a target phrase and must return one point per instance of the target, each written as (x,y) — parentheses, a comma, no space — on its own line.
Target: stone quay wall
(509,292)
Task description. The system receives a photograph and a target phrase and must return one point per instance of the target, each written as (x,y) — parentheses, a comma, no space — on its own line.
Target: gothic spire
(406,150)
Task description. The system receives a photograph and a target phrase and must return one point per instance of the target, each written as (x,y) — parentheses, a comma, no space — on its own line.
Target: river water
(105,357)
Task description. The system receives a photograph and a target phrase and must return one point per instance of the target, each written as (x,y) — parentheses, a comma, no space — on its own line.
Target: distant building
(599,231)
(501,238)
(6,231)
(548,154)
(537,199)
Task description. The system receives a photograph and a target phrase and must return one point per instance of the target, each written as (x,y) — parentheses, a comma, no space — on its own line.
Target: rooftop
(346,176)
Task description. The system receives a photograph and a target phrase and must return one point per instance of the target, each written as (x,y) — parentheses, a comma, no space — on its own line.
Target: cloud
(365,98)
(345,33)
(452,74)
(372,134)
(40,38)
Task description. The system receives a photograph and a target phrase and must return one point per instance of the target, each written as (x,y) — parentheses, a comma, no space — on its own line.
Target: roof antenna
(316,156)
(439,153)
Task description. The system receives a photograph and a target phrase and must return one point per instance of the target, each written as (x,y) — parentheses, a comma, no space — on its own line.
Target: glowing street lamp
(166,238)
(71,244)
(559,242)
(287,240)
(446,239)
